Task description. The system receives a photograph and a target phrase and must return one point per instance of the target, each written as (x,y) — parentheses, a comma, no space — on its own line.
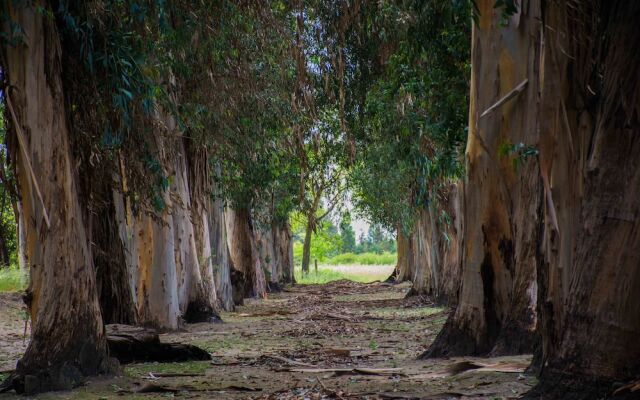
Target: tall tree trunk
(249,279)
(283,252)
(404,264)
(436,251)
(496,308)
(220,258)
(590,160)
(113,276)
(306,247)
(68,337)
(265,245)
(422,249)
(151,264)
(196,291)
(451,249)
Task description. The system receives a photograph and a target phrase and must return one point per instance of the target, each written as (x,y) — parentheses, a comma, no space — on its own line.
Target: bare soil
(341,340)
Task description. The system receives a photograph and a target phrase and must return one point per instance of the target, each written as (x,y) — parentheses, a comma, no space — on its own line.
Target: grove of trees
(155,152)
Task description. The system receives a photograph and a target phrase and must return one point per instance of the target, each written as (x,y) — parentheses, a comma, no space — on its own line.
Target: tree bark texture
(306,246)
(589,273)
(435,251)
(501,204)
(248,277)
(220,258)
(68,336)
(196,289)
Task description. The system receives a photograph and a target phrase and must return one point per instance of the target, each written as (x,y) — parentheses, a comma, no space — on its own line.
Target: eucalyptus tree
(111,157)
(406,87)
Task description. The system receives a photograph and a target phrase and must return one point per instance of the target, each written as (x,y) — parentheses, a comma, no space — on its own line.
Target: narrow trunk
(590,157)
(306,248)
(496,308)
(68,338)
(21,240)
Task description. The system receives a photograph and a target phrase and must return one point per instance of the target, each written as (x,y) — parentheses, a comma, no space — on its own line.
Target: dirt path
(287,346)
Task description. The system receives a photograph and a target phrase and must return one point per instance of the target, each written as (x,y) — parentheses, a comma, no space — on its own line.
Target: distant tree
(348,234)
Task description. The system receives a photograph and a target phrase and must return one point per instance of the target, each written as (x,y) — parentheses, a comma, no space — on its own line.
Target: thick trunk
(451,249)
(423,253)
(265,245)
(220,258)
(496,308)
(196,289)
(115,292)
(68,337)
(283,253)
(306,247)
(590,156)
(276,254)
(435,250)
(151,264)
(403,270)
(248,276)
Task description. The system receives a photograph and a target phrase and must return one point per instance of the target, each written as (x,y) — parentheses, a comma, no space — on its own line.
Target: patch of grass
(191,367)
(385,258)
(12,279)
(327,274)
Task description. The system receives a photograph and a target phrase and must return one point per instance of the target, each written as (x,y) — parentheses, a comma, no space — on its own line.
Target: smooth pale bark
(68,337)
(501,206)
(590,157)
(247,277)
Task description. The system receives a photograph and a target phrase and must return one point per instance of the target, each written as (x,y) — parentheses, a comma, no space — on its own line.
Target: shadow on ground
(341,340)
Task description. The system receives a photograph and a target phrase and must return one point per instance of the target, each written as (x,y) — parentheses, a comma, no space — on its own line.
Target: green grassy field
(385,258)
(12,280)
(353,272)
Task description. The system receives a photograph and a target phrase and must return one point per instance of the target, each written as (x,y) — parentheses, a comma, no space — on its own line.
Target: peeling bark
(496,308)
(434,251)
(220,258)
(196,289)
(590,162)
(247,277)
(68,337)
